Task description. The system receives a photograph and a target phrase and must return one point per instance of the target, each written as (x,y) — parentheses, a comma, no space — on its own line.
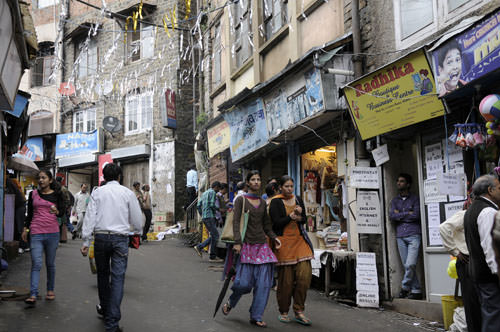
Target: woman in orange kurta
(288,217)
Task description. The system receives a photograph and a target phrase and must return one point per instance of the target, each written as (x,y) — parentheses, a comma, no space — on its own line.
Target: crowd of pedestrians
(273,249)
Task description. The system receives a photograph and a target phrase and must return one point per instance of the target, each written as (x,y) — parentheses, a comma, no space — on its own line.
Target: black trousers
(470,297)
(149,215)
(191,196)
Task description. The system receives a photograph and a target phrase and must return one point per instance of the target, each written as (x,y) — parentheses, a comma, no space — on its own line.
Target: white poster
(380,155)
(433,215)
(434,169)
(431,192)
(434,236)
(368,213)
(455,152)
(451,208)
(452,184)
(433,152)
(367,299)
(366,272)
(364,177)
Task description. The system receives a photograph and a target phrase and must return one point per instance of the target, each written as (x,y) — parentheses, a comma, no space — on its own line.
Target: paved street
(168,288)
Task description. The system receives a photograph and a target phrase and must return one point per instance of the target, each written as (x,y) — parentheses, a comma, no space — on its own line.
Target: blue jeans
(69,225)
(210,224)
(409,249)
(111,257)
(258,277)
(41,243)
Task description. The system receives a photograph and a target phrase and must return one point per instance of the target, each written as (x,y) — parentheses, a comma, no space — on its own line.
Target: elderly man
(452,234)
(81,202)
(478,222)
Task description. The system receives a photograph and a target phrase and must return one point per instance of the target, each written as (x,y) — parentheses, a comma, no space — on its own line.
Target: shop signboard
(366,280)
(398,95)
(364,178)
(103,160)
(32,149)
(247,125)
(78,143)
(368,213)
(468,55)
(218,138)
(295,100)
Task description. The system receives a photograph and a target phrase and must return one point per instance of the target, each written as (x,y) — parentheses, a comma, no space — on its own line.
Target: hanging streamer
(188,9)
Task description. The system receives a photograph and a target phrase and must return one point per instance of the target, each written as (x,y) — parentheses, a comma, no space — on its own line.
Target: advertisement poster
(247,125)
(366,280)
(396,96)
(467,56)
(73,144)
(103,160)
(218,138)
(368,213)
(32,149)
(171,110)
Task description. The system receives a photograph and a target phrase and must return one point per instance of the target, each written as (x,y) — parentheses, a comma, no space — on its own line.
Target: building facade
(127,97)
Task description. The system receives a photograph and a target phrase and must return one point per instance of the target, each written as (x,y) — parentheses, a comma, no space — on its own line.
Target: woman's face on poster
(452,68)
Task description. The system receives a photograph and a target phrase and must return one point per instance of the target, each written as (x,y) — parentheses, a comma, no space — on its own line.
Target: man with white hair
(478,222)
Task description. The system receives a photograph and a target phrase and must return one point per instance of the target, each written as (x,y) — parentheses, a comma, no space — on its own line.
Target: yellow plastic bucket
(449,303)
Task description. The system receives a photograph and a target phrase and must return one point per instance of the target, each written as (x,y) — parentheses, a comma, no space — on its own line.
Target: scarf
(251,196)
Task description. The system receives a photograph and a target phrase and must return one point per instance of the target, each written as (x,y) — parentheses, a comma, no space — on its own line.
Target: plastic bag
(459,322)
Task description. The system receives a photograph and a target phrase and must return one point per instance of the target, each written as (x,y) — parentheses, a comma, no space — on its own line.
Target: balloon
(490,107)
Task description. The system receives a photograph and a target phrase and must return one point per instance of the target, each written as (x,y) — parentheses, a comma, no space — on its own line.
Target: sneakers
(216,260)
(415,296)
(20,250)
(198,251)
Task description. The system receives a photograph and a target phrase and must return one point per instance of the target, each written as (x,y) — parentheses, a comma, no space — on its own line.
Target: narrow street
(174,293)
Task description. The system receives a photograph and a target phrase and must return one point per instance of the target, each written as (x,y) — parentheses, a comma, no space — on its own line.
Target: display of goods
(490,107)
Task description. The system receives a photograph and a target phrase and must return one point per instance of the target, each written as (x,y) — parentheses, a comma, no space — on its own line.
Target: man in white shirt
(191,186)
(111,227)
(452,234)
(478,222)
(80,206)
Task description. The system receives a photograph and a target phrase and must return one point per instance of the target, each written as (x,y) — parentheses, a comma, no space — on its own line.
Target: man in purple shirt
(405,212)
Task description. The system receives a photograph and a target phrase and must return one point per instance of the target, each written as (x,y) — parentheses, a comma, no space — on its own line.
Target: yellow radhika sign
(396,96)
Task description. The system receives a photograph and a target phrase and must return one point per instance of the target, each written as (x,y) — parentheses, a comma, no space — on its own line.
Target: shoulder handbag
(227,235)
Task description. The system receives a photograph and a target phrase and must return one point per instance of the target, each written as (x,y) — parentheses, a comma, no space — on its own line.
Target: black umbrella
(230,274)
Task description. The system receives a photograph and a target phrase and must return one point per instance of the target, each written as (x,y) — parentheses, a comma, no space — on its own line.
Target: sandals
(50,296)
(302,319)
(258,323)
(284,318)
(226,308)
(30,300)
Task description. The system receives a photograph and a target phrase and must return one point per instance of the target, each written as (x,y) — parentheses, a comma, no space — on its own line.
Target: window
(140,43)
(138,112)
(84,121)
(418,19)
(275,16)
(43,67)
(46,3)
(242,36)
(89,59)
(415,15)
(216,55)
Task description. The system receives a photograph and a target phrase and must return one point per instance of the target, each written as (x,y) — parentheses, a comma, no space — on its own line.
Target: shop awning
(137,151)
(22,164)
(78,161)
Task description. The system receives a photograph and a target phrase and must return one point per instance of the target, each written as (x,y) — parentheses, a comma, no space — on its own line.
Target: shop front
(403,124)
(77,158)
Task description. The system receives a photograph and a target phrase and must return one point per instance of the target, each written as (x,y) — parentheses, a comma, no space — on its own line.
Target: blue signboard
(284,111)
(73,144)
(32,149)
(247,125)
(19,106)
(467,56)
